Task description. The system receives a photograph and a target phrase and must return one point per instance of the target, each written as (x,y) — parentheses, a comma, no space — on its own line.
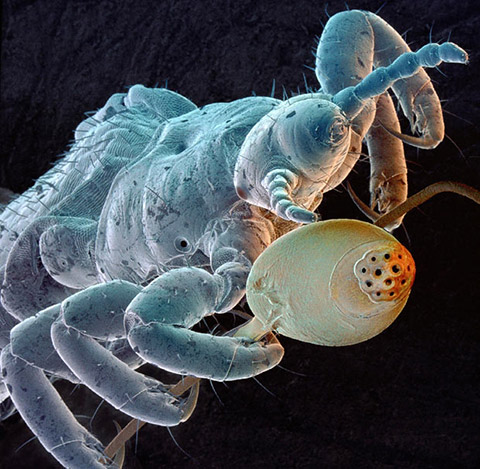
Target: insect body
(155,217)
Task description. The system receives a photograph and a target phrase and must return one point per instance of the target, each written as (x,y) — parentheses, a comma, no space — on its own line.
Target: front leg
(159,319)
(359,57)
(97,314)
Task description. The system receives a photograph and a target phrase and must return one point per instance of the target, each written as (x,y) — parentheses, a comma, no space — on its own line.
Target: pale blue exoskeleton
(155,216)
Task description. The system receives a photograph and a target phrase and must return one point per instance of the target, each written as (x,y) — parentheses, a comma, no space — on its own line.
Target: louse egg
(336,282)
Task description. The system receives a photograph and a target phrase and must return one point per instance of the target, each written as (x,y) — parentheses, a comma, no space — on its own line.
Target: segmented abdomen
(104,143)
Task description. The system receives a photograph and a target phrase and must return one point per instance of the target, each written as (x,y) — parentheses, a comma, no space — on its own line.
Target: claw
(116,447)
(191,401)
(133,393)
(370,213)
(426,142)
(361,205)
(252,329)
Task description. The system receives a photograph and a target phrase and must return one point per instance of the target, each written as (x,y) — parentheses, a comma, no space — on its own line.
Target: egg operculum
(385,274)
(372,279)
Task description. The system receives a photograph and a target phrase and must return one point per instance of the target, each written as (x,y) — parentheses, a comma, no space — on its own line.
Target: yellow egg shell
(337,282)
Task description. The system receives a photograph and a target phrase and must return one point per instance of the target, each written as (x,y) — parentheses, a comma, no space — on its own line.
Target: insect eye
(182,244)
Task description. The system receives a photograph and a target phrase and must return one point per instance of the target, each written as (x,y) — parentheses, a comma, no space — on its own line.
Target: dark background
(407,398)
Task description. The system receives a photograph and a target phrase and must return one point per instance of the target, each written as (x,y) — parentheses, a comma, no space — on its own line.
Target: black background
(407,398)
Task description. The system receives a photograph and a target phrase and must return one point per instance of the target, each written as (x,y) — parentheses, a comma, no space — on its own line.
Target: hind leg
(64,340)
(42,408)
(51,259)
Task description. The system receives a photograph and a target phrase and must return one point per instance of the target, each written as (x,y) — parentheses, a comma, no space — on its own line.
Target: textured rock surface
(408,398)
